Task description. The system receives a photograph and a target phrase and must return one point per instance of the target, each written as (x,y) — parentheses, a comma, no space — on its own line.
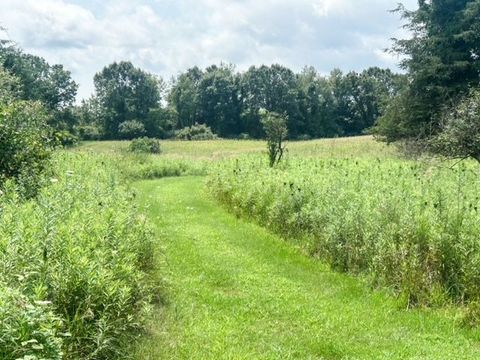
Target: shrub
(131,129)
(460,136)
(24,145)
(88,132)
(64,138)
(140,166)
(196,132)
(145,145)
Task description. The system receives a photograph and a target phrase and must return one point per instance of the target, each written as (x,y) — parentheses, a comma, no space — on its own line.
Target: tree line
(130,102)
(229,102)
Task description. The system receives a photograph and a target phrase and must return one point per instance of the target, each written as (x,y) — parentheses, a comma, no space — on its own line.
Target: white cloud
(168,36)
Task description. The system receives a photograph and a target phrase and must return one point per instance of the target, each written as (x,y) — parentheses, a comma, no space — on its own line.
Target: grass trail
(237,292)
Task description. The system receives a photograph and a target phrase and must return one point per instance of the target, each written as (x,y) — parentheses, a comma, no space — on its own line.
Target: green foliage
(273,88)
(315,105)
(196,132)
(29,328)
(37,80)
(244,136)
(411,227)
(131,129)
(125,93)
(460,135)
(160,123)
(362,98)
(88,132)
(10,87)
(442,60)
(24,145)
(275,127)
(183,97)
(64,138)
(145,145)
(52,85)
(81,246)
(141,166)
(90,115)
(219,101)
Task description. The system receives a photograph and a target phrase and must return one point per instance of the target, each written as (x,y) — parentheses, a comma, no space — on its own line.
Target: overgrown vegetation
(410,226)
(131,129)
(76,259)
(142,166)
(460,130)
(24,139)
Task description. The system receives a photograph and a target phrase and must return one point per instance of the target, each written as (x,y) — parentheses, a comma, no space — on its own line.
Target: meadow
(354,203)
(344,250)
(215,150)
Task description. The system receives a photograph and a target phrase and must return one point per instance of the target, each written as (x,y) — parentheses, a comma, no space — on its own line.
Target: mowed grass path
(236,291)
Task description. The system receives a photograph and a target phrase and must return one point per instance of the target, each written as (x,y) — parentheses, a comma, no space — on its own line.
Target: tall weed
(410,226)
(82,247)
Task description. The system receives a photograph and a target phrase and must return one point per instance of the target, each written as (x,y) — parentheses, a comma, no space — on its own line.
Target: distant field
(361,147)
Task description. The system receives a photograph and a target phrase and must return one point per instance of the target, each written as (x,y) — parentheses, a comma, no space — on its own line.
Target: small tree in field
(460,137)
(275,127)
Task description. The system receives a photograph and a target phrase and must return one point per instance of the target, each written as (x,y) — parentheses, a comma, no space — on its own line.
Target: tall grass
(411,226)
(217,150)
(74,265)
(145,166)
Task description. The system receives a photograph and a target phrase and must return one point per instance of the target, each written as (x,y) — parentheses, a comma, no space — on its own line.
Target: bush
(82,246)
(131,129)
(24,145)
(145,145)
(196,132)
(64,138)
(460,136)
(88,132)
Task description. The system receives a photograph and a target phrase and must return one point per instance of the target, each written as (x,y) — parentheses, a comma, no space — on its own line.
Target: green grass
(239,292)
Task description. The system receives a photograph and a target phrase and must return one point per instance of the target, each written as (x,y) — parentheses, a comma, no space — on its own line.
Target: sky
(166,37)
